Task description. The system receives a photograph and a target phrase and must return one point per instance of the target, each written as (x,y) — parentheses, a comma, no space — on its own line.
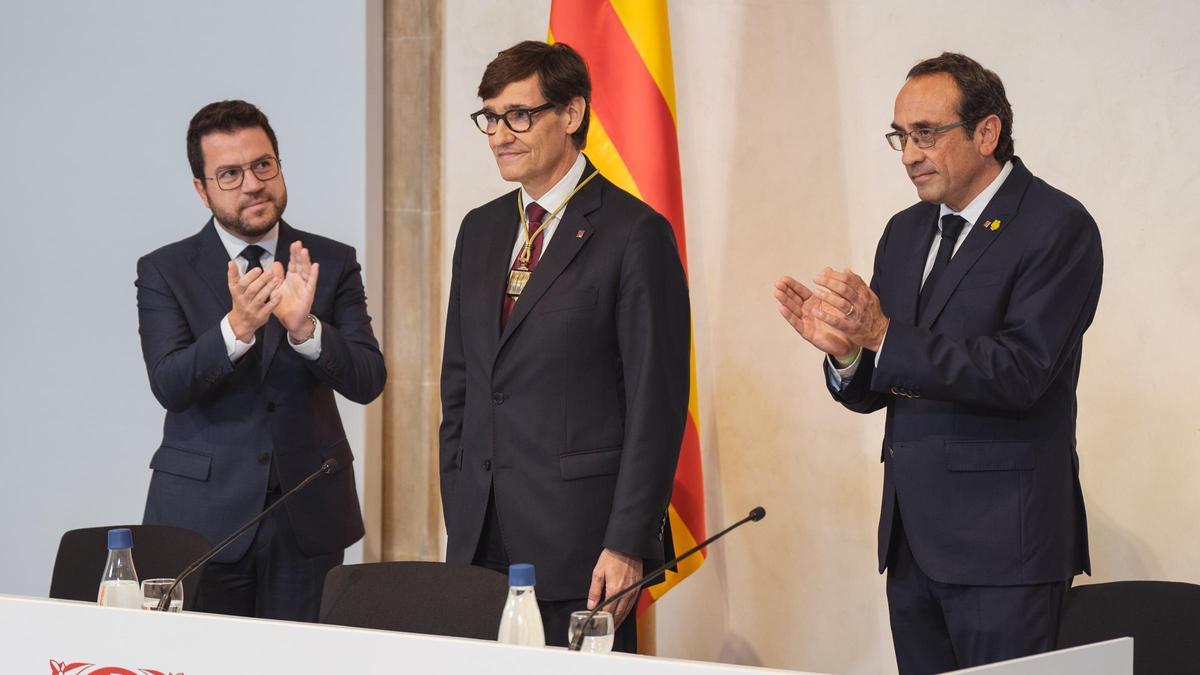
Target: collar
(234,246)
(975,209)
(558,194)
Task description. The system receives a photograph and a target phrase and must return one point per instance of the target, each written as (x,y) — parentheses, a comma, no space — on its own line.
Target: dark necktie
(952,225)
(253,254)
(534,213)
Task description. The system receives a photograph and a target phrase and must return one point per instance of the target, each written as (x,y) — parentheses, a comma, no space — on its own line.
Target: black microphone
(328,467)
(756,514)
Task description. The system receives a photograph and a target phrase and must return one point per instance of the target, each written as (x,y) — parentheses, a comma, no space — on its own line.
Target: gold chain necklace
(518,277)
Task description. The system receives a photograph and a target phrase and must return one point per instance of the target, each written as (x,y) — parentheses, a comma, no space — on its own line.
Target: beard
(253,227)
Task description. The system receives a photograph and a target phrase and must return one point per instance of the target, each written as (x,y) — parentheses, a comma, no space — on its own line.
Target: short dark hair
(225,117)
(562,75)
(981,93)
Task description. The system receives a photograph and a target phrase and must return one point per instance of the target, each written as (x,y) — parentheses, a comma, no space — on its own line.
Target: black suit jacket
(226,422)
(575,413)
(979,451)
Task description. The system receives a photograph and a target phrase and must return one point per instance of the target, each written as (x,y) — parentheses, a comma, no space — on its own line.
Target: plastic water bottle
(119,584)
(521,622)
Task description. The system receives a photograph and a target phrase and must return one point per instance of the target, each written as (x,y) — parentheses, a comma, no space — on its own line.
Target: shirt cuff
(235,349)
(840,377)
(310,349)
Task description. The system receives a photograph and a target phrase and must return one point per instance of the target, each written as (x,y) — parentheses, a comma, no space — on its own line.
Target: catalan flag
(632,141)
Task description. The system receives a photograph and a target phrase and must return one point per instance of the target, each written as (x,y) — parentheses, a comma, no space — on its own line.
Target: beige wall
(781,110)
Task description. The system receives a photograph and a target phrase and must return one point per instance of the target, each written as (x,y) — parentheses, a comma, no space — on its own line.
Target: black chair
(159,551)
(416,597)
(1162,617)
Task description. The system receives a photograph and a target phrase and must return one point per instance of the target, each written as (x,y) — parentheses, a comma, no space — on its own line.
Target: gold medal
(516,282)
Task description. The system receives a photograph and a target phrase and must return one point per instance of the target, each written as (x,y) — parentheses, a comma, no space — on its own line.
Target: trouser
(273,580)
(939,627)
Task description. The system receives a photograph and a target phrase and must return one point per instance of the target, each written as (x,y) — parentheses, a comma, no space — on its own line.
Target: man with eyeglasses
(565,374)
(970,336)
(248,328)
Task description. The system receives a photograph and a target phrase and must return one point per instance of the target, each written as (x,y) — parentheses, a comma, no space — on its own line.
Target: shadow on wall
(1117,549)
(776,437)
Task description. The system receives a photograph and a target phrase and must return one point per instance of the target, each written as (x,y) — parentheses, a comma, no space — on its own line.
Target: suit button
(264,457)
(497,398)
(271,406)
(487,465)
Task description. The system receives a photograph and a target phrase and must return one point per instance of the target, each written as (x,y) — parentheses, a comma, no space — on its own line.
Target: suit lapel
(1002,207)
(572,233)
(211,263)
(914,268)
(496,265)
(273,331)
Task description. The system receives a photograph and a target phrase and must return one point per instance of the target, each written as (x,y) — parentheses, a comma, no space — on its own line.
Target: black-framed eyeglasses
(517,119)
(925,137)
(231,177)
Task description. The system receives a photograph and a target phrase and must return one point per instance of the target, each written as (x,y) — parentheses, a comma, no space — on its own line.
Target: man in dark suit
(248,328)
(970,335)
(565,375)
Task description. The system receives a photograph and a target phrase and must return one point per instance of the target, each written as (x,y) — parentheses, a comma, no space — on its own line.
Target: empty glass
(597,633)
(153,591)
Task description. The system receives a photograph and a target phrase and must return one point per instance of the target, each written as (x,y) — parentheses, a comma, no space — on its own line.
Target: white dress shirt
(841,376)
(553,199)
(235,349)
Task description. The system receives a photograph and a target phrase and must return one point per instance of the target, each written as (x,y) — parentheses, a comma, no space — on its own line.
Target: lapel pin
(579,234)
(992,225)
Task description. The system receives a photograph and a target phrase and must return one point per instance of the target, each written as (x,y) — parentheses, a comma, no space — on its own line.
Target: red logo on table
(81,668)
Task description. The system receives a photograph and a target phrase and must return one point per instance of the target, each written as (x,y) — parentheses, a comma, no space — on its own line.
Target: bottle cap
(520,574)
(120,537)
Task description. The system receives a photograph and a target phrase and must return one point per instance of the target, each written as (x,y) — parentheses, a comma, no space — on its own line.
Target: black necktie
(253,254)
(952,225)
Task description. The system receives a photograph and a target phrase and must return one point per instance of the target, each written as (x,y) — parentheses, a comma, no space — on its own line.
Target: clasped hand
(839,316)
(288,295)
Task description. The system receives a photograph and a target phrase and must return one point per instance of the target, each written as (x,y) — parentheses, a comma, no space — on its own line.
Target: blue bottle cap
(120,537)
(520,574)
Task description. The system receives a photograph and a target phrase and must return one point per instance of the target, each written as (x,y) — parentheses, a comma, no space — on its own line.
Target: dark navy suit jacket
(576,411)
(979,452)
(225,421)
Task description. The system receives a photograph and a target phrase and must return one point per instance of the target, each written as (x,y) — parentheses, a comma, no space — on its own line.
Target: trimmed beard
(232,220)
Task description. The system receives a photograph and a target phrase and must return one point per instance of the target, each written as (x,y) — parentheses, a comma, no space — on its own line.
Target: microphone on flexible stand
(327,468)
(756,514)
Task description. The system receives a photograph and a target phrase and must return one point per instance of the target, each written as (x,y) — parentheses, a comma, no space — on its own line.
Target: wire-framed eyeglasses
(231,177)
(924,137)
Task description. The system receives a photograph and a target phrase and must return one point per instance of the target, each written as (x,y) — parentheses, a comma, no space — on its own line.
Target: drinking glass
(153,591)
(597,633)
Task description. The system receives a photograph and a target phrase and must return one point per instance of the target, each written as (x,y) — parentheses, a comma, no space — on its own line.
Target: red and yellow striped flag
(632,141)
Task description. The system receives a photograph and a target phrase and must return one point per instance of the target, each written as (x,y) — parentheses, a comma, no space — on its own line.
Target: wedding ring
(850,313)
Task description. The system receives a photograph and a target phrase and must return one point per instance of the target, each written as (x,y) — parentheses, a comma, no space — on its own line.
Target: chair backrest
(159,551)
(416,597)
(1162,617)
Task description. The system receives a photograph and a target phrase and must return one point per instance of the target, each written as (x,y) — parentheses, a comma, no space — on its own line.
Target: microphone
(327,468)
(756,514)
